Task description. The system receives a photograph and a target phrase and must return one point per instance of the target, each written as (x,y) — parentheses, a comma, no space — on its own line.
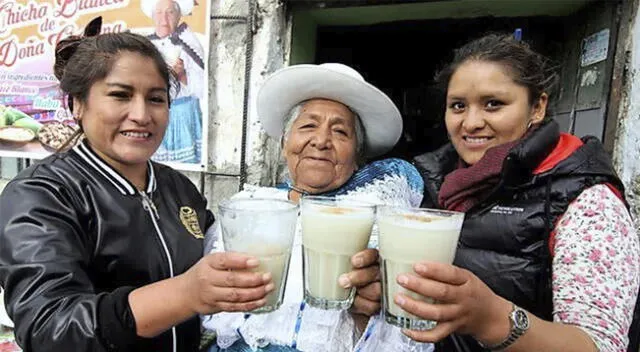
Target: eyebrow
(333,119)
(129,87)
(495,95)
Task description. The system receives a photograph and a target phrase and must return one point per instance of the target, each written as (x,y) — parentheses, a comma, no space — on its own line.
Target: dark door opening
(402,58)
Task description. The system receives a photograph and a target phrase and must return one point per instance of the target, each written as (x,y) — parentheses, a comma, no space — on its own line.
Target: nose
(139,112)
(322,138)
(163,18)
(473,119)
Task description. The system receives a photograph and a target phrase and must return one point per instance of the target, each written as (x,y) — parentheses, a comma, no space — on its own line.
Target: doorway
(402,57)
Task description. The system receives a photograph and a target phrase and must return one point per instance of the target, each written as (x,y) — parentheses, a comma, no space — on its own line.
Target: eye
(119,95)
(341,131)
(158,99)
(457,106)
(494,104)
(307,126)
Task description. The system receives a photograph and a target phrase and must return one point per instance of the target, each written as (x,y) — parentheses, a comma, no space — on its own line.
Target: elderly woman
(548,256)
(329,120)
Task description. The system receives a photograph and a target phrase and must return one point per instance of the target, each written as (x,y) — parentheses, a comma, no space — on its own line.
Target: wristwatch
(519,321)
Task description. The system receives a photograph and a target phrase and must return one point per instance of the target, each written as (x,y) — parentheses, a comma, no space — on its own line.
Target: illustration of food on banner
(34,120)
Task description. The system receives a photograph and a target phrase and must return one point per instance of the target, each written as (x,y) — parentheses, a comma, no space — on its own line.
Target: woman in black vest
(548,256)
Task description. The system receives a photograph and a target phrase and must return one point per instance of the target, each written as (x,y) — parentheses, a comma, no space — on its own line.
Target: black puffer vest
(504,239)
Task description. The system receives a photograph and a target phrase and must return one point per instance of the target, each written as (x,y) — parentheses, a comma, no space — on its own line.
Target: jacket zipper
(150,208)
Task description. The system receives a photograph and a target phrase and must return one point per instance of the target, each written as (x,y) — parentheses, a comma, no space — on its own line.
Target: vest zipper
(150,208)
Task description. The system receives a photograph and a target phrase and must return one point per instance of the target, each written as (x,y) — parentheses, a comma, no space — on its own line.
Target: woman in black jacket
(102,248)
(547,259)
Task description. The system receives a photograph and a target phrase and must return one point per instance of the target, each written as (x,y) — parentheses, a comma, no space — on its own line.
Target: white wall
(627,147)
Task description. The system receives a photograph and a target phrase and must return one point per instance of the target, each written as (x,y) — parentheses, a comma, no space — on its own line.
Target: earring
(529,124)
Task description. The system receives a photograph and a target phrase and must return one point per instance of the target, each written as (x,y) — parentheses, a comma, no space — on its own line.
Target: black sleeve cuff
(116,324)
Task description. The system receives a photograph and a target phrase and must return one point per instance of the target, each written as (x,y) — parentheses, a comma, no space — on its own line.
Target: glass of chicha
(265,229)
(333,230)
(408,236)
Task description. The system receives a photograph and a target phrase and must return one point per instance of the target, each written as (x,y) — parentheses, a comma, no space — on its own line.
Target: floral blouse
(596,268)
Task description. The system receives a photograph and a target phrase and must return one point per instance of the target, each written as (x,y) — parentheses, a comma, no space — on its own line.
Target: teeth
(476,139)
(137,134)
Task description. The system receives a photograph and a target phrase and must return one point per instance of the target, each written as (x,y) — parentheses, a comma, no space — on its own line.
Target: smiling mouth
(318,159)
(476,140)
(131,134)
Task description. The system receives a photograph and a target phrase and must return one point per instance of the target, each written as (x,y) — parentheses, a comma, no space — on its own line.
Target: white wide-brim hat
(148,6)
(292,85)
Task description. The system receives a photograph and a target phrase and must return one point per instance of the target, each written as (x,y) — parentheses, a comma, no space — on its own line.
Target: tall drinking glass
(333,230)
(408,236)
(263,228)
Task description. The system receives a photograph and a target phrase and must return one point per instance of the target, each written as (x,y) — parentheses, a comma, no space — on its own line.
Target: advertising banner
(34,119)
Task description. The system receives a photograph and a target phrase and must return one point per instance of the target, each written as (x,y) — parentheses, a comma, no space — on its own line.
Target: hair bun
(68,46)
(64,50)
(94,27)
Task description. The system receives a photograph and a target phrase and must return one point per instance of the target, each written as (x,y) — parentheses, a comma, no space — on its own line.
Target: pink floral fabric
(596,268)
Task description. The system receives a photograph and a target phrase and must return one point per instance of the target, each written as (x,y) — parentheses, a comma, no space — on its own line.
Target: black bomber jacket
(76,238)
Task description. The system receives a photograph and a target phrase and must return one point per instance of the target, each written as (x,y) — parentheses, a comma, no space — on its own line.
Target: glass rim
(226,204)
(422,210)
(352,203)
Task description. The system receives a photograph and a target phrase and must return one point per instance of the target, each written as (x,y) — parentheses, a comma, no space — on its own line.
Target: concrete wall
(229,39)
(627,147)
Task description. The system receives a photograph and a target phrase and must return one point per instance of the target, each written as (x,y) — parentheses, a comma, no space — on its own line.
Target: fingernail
(269,287)
(403,279)
(400,300)
(344,281)
(266,277)
(358,261)
(252,262)
(421,268)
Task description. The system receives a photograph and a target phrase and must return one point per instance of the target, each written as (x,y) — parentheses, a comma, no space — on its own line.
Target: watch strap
(514,333)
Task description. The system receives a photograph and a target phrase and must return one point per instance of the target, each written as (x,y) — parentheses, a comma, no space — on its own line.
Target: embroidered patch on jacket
(189,219)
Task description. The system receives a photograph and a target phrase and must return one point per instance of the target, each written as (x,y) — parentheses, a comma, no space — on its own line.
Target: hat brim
(288,87)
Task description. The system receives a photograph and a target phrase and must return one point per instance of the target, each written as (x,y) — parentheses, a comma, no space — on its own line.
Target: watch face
(521,320)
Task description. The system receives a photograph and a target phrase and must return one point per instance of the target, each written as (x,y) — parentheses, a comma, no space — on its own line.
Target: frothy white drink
(330,237)
(408,238)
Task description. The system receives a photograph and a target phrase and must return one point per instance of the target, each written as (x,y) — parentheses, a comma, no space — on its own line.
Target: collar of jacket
(103,168)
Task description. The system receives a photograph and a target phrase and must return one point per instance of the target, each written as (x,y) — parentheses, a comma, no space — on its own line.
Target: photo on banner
(34,119)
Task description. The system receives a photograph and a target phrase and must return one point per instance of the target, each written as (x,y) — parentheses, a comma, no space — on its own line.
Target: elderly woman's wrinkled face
(486,108)
(321,146)
(166,17)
